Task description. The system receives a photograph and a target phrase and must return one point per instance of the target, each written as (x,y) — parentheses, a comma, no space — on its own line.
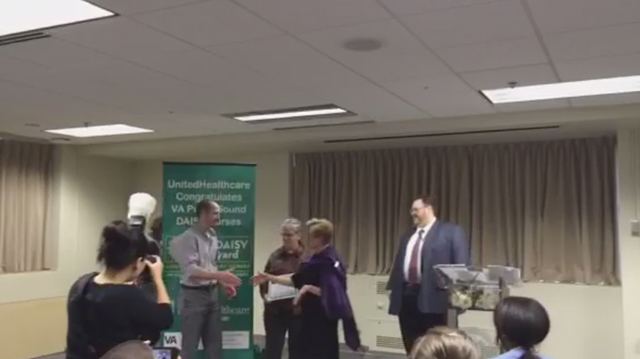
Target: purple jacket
(335,300)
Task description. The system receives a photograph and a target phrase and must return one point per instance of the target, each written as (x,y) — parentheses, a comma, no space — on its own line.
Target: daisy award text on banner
(232,186)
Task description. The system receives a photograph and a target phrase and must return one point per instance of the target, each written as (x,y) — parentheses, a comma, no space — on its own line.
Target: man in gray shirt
(196,253)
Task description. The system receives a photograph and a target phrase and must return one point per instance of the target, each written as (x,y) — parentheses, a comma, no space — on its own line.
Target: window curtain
(545,207)
(26,203)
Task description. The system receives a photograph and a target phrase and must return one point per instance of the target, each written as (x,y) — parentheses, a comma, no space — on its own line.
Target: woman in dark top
(323,296)
(104,309)
(282,316)
(521,325)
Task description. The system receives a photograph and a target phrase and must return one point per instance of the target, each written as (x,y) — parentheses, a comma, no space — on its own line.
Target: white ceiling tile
(532,106)
(82,83)
(401,56)
(207,69)
(471,24)
(600,67)
(55,53)
(609,100)
(445,96)
(210,23)
(17,127)
(372,102)
(292,62)
(14,69)
(121,37)
(128,7)
(499,78)
(48,108)
(214,124)
(494,55)
(607,41)
(554,16)
(175,93)
(162,127)
(406,7)
(299,16)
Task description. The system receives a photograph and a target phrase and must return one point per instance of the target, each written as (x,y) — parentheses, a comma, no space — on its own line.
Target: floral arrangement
(468,296)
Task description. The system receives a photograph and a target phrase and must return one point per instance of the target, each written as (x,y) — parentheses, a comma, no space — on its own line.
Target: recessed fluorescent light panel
(301,113)
(17,16)
(608,86)
(99,131)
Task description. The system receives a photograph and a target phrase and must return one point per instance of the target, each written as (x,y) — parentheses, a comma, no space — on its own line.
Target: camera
(137,225)
(166,353)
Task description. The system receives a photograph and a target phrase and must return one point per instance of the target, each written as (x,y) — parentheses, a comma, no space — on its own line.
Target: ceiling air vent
(341,124)
(443,134)
(23,37)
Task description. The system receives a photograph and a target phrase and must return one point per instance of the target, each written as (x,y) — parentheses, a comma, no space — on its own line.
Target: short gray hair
(292,223)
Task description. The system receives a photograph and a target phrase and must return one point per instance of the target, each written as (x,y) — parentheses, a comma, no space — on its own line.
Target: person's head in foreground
(445,343)
(130,350)
(423,211)
(208,213)
(291,232)
(521,324)
(320,234)
(121,253)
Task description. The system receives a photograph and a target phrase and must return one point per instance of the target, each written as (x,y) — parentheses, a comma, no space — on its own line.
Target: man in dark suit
(417,297)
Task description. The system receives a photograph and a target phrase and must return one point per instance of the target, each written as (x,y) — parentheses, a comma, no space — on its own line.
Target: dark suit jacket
(445,243)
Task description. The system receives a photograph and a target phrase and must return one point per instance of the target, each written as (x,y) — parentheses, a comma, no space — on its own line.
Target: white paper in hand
(280,292)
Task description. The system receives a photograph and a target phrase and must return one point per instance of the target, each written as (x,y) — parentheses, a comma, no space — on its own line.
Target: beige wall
(92,191)
(586,319)
(629,246)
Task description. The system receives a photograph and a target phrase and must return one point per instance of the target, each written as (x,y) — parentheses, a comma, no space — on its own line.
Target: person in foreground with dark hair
(521,325)
(104,309)
(417,296)
(323,297)
(445,343)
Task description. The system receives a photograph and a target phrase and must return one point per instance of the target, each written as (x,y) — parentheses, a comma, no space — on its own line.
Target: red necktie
(413,263)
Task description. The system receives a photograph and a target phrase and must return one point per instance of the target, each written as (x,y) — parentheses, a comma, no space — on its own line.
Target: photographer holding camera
(104,309)
(141,206)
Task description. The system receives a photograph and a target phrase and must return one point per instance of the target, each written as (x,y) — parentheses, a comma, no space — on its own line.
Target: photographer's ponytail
(529,354)
(119,248)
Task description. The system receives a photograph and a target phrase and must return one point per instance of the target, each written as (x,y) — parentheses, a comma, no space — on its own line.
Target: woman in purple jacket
(323,298)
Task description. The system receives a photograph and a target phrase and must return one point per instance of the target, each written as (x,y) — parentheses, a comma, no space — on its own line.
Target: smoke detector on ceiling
(363,44)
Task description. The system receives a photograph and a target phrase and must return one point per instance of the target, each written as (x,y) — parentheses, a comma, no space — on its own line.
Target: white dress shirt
(412,243)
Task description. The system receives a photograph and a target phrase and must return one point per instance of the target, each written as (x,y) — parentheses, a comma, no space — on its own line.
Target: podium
(475,288)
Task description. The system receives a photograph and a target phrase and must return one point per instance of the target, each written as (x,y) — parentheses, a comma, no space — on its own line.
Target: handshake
(229,282)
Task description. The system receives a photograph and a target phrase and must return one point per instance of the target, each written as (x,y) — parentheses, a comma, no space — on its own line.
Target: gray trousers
(200,319)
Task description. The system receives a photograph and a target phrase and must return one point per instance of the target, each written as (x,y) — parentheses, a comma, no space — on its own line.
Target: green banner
(233,188)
